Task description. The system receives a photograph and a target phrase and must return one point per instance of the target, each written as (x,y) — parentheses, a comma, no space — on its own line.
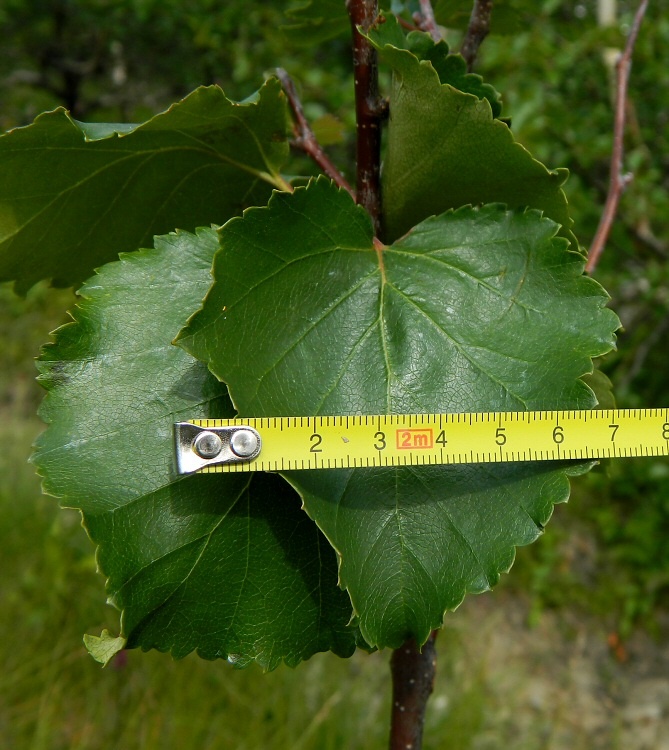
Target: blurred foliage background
(605,556)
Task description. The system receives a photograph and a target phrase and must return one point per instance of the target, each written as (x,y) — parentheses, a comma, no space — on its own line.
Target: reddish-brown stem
(305,139)
(413,672)
(477,31)
(408,26)
(617,180)
(412,668)
(368,109)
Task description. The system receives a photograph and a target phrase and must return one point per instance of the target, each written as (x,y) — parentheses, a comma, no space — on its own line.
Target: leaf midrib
(206,538)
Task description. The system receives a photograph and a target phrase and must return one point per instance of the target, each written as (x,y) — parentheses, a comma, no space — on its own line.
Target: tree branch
(412,669)
(305,139)
(477,31)
(426,20)
(618,181)
(408,26)
(368,110)
(413,672)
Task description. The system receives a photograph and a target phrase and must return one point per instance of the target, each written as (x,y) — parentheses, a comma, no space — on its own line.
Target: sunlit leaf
(474,310)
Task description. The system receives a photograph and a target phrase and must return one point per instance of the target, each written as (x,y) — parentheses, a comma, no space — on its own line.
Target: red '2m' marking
(415,439)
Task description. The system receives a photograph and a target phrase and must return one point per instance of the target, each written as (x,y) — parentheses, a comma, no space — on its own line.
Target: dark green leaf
(474,310)
(413,541)
(446,150)
(225,564)
(450,68)
(74,195)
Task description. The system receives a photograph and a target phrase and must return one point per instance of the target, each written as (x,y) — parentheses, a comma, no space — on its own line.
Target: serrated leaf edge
(75,313)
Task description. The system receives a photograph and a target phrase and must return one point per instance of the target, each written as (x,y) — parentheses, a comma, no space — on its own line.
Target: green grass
(606,552)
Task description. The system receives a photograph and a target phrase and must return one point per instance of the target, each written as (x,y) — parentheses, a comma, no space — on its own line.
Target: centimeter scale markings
(334,442)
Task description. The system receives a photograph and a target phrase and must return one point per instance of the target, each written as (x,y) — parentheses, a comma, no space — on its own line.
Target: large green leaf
(473,310)
(225,564)
(74,195)
(445,149)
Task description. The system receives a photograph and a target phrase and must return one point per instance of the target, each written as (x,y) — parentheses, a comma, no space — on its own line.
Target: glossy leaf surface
(472,311)
(73,195)
(227,564)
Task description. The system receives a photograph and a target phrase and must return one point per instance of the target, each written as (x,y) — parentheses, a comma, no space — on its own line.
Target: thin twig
(408,26)
(618,181)
(413,672)
(427,21)
(477,31)
(305,139)
(368,109)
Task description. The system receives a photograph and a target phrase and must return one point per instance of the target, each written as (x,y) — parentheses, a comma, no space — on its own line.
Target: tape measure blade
(329,442)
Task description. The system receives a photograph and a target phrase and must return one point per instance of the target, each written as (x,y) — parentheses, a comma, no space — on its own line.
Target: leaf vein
(459,346)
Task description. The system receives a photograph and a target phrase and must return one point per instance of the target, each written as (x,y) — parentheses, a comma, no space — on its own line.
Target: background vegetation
(603,565)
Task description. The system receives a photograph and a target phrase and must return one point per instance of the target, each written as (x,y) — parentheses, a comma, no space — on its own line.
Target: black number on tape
(316,440)
(380,443)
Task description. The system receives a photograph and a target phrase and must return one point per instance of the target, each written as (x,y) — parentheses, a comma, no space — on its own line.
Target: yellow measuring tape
(336,442)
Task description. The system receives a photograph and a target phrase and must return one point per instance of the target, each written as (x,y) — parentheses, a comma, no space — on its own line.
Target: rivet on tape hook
(197,447)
